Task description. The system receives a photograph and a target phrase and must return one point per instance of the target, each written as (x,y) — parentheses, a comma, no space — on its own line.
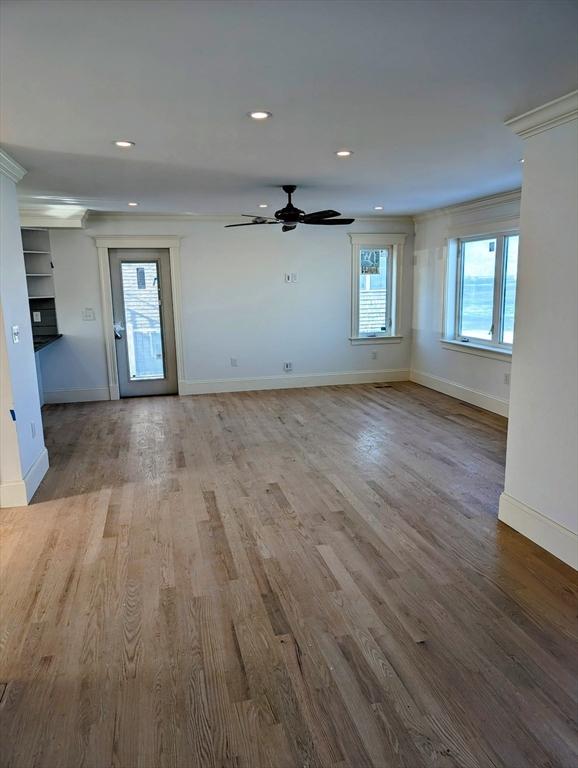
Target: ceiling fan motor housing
(290,214)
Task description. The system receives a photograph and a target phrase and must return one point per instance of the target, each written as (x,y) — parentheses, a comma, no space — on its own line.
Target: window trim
(451,339)
(394,243)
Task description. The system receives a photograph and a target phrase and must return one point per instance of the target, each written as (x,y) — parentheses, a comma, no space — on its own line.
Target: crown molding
(10,168)
(548,116)
(472,206)
(53,217)
(219,217)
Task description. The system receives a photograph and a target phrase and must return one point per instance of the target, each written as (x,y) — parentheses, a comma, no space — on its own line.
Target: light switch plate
(16,334)
(36,317)
(88,314)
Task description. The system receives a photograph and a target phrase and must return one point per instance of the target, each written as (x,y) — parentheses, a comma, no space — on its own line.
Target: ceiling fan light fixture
(260,114)
(124,144)
(344,153)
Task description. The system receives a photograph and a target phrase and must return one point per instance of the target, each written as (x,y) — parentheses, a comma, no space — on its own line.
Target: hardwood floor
(291,578)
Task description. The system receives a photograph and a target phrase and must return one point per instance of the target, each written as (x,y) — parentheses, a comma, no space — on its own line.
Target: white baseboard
(34,476)
(76,395)
(532,524)
(13,494)
(473,396)
(19,492)
(290,381)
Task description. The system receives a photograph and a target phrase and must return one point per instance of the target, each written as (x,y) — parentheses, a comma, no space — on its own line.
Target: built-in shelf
(40,281)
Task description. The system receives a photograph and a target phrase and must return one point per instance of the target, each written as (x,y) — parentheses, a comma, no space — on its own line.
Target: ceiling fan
(290,216)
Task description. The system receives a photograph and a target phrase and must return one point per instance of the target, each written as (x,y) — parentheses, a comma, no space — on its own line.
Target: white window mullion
(498,283)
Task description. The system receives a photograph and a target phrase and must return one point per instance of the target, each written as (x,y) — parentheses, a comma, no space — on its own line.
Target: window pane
(477,299)
(510,276)
(143,320)
(372,291)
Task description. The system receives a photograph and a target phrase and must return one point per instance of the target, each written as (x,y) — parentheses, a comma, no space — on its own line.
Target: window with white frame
(375,286)
(484,284)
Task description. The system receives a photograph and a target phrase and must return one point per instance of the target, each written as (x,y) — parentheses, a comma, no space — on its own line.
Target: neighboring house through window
(376,280)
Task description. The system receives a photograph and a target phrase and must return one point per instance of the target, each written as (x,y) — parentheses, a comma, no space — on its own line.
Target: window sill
(471,348)
(376,339)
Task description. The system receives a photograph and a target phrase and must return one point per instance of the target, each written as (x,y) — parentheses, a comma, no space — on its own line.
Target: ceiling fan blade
(247,224)
(252,223)
(317,215)
(257,216)
(288,227)
(330,222)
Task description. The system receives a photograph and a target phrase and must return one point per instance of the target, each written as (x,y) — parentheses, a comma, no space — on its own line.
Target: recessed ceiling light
(260,114)
(263,205)
(522,160)
(378,207)
(344,153)
(133,205)
(124,143)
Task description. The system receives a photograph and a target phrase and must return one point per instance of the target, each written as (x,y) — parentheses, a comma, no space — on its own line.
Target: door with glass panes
(143,325)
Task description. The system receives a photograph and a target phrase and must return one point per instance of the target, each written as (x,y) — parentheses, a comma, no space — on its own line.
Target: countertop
(43,341)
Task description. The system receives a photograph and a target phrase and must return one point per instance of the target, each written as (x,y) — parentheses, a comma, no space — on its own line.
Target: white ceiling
(419,90)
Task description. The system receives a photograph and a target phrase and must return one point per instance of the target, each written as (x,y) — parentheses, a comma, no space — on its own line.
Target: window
(485,280)
(375,285)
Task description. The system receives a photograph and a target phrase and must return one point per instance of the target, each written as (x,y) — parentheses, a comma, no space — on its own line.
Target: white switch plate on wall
(36,317)
(16,334)
(88,314)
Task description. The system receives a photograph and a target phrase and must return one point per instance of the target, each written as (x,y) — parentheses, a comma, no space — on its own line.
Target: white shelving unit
(40,284)
(38,262)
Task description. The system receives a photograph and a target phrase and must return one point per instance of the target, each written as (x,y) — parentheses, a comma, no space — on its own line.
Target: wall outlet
(88,314)
(288,367)
(374,355)
(507,379)
(36,317)
(15,334)
(234,362)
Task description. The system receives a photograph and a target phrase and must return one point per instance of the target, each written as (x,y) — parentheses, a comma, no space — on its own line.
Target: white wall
(541,488)
(24,459)
(471,377)
(235,304)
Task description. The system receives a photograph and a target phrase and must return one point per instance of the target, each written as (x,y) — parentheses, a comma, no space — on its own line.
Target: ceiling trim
(221,217)
(68,218)
(213,216)
(471,206)
(10,168)
(548,116)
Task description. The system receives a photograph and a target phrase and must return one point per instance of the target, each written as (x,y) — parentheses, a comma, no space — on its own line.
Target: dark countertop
(43,341)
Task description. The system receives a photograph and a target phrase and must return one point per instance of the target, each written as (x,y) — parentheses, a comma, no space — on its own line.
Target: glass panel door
(141,292)
(143,324)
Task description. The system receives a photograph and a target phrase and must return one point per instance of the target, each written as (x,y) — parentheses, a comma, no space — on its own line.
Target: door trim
(173,244)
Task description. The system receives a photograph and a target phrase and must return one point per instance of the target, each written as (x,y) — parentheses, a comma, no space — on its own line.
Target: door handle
(118,329)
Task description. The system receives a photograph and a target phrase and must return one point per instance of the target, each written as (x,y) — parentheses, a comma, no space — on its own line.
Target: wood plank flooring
(297,578)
